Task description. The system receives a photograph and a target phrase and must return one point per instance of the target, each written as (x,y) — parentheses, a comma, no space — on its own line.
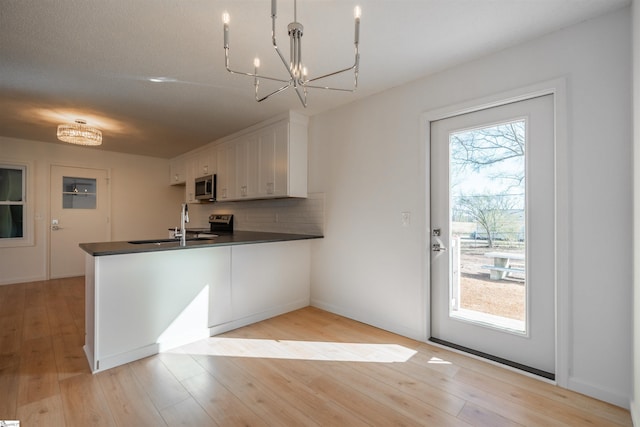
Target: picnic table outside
(502,264)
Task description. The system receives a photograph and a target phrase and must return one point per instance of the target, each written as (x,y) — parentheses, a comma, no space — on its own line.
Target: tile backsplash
(299,216)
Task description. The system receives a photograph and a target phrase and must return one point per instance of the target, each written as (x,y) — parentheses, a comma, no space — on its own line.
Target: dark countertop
(237,238)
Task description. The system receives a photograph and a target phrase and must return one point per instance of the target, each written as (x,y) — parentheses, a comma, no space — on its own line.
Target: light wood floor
(308,367)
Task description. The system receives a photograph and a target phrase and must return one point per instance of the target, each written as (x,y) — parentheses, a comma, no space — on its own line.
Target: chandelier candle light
(298,78)
(79,133)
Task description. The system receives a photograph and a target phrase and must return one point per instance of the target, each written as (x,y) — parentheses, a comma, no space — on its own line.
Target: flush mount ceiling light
(298,78)
(79,133)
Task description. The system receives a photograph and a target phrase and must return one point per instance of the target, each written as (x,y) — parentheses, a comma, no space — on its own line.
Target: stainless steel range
(218,224)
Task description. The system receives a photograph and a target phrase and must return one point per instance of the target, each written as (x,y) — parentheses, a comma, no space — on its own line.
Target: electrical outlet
(405,218)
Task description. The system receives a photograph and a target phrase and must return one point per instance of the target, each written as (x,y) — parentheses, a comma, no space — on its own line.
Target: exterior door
(493,234)
(79,214)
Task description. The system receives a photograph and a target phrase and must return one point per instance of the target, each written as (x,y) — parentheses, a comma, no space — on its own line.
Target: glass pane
(487,179)
(11,185)
(11,221)
(78,193)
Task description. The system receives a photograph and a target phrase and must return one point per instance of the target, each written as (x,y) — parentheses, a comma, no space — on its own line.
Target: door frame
(557,88)
(48,210)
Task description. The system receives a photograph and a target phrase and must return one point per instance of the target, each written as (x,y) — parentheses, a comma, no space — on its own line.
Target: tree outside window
(488,180)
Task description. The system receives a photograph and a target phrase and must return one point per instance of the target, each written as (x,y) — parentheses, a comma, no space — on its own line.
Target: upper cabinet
(226,171)
(246,162)
(206,164)
(177,171)
(186,168)
(268,160)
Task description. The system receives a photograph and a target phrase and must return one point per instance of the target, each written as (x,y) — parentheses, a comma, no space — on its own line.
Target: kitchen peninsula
(145,297)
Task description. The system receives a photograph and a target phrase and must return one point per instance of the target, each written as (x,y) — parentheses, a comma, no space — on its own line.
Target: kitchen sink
(162,241)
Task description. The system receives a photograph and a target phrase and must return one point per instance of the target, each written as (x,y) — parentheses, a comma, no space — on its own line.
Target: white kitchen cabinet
(268,160)
(282,158)
(226,171)
(219,267)
(139,304)
(206,162)
(177,171)
(247,167)
(273,164)
(191,166)
(269,279)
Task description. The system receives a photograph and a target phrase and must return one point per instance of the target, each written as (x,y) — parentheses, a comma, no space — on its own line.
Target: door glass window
(487,190)
(78,193)
(12,201)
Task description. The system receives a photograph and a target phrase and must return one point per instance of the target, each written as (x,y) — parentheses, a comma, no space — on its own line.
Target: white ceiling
(67,59)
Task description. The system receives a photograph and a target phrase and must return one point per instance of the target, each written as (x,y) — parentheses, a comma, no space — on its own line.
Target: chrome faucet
(184,218)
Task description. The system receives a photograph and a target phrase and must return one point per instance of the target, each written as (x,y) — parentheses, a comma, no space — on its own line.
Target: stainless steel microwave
(206,188)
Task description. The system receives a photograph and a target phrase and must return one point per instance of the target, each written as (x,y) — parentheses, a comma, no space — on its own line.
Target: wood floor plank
(69,355)
(129,403)
(9,382)
(320,408)
(535,401)
(367,408)
(160,384)
(482,417)
(253,393)
(411,386)
(479,396)
(36,293)
(181,364)
(225,408)
(59,316)
(37,372)
(187,413)
(44,412)
(10,338)
(36,322)
(84,402)
(560,395)
(12,299)
(393,399)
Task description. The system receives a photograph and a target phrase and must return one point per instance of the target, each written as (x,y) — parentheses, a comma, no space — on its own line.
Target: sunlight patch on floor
(437,361)
(300,350)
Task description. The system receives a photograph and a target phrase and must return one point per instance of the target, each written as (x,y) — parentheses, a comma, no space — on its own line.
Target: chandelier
(79,133)
(298,78)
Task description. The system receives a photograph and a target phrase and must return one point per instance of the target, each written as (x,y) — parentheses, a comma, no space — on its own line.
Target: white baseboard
(238,323)
(635,412)
(16,280)
(598,392)
(396,329)
(105,363)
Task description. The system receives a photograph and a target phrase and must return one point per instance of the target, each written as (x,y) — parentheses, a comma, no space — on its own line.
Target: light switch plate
(406,218)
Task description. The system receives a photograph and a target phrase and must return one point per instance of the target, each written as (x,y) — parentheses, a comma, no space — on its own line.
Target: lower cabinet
(267,279)
(140,304)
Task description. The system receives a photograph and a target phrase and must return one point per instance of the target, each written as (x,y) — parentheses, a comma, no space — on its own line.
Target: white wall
(369,160)
(143,205)
(635,404)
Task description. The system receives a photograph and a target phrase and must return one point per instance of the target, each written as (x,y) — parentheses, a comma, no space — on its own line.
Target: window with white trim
(13,209)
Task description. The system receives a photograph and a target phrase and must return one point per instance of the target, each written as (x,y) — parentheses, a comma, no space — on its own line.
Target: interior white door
(493,233)
(79,214)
